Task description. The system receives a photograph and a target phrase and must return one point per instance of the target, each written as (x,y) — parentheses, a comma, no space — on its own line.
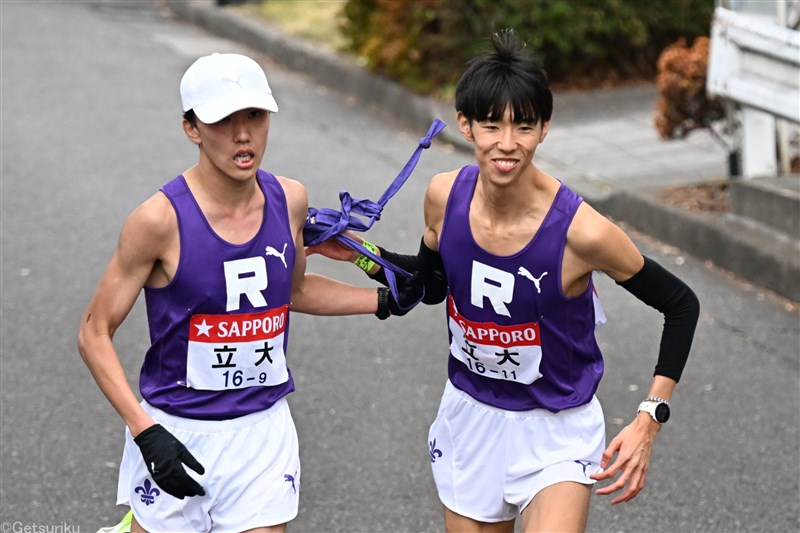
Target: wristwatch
(383,303)
(658,408)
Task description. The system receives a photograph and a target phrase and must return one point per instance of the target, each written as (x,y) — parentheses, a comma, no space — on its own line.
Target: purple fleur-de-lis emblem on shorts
(148,492)
(435,452)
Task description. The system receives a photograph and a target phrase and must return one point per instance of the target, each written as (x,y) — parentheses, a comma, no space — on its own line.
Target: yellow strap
(123,527)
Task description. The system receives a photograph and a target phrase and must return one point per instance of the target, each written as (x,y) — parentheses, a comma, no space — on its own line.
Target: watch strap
(656,399)
(383,303)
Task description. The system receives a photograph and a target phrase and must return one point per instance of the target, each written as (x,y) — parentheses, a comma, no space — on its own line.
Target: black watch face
(662,413)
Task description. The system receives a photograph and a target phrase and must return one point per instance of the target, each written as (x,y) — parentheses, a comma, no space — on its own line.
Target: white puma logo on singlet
(275,253)
(536,281)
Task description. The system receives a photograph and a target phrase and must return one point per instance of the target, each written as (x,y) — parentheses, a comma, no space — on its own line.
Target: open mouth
(244,159)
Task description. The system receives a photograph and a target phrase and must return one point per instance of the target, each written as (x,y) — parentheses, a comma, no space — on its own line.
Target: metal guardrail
(754,64)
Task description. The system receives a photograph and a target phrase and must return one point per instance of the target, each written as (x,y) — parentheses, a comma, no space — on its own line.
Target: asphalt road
(91,128)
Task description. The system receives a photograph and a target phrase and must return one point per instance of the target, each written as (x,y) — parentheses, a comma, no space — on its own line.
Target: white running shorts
(489,463)
(252,476)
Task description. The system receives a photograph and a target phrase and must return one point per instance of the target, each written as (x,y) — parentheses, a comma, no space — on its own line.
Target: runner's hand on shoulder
(165,456)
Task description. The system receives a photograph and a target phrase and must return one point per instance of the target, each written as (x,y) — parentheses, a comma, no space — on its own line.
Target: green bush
(425,44)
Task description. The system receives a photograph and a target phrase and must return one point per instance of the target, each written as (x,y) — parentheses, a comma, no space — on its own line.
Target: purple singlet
(516,342)
(219,330)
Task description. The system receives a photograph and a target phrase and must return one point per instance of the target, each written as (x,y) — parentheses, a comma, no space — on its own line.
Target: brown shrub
(683,104)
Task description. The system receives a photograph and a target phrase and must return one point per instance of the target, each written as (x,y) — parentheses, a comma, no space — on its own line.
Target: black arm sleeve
(427,262)
(660,289)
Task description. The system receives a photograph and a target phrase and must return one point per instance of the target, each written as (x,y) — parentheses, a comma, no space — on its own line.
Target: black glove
(165,456)
(435,284)
(410,292)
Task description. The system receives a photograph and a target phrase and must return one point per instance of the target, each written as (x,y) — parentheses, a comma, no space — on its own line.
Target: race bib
(237,351)
(511,353)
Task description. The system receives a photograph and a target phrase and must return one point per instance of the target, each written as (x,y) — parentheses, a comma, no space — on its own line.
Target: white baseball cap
(218,85)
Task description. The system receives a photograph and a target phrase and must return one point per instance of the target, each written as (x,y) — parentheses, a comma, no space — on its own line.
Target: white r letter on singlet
(248,277)
(492,283)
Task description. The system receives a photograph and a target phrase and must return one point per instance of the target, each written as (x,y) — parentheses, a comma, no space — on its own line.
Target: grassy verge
(315,20)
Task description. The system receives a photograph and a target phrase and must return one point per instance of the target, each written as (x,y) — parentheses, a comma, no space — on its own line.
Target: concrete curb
(747,249)
(775,203)
(764,258)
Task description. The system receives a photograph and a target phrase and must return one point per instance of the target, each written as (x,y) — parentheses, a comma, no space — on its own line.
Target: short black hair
(507,76)
(190,117)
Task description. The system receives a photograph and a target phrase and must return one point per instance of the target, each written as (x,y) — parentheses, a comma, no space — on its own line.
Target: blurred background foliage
(683,105)
(425,44)
(584,44)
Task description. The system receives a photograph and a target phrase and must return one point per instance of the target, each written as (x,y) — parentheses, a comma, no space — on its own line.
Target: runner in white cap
(218,252)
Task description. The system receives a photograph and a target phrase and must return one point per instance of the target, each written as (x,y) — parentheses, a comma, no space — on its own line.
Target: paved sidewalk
(602,144)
